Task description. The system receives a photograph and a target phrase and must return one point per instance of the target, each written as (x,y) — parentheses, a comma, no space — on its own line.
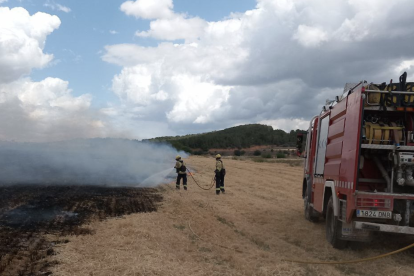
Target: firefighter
(181,170)
(220,173)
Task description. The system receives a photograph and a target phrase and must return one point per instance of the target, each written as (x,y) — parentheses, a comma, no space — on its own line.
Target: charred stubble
(34,217)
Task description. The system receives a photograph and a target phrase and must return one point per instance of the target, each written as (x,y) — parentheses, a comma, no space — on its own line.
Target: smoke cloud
(111,162)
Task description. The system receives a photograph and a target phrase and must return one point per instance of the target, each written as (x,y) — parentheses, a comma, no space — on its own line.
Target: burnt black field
(30,212)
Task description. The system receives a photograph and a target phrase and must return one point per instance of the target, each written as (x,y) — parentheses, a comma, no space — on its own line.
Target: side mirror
(299,144)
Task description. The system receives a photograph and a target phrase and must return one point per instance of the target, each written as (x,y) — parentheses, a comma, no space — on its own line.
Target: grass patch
(259,160)
(193,238)
(162,188)
(204,249)
(241,233)
(266,155)
(224,221)
(280,155)
(257,153)
(347,270)
(239,158)
(297,243)
(179,227)
(264,246)
(292,163)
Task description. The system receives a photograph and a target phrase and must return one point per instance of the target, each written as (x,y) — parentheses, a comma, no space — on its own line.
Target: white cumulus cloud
(148,9)
(46,111)
(287,124)
(167,25)
(196,100)
(276,63)
(43,110)
(51,93)
(136,84)
(310,36)
(22,39)
(175,28)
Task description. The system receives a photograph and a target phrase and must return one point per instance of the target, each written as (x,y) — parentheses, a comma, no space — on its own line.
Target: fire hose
(206,189)
(300,261)
(352,261)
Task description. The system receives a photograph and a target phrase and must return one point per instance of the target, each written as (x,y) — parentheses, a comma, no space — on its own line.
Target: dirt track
(247,231)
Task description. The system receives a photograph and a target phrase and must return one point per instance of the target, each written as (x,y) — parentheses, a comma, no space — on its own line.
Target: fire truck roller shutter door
(321,146)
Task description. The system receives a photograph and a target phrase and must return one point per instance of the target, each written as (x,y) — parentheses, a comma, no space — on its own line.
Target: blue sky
(78,43)
(145,68)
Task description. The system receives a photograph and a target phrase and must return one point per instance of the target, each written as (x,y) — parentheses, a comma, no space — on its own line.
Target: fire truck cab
(359,162)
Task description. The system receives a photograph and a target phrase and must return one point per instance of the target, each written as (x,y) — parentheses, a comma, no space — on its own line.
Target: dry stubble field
(247,231)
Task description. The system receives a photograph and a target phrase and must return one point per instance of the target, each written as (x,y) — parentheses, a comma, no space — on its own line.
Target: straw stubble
(247,231)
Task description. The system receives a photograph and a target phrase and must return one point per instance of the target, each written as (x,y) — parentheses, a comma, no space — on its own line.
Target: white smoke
(111,162)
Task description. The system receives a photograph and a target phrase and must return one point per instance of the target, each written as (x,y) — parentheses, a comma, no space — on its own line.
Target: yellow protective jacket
(178,165)
(219,166)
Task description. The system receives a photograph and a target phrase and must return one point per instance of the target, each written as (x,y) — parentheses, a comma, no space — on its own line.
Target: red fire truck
(359,162)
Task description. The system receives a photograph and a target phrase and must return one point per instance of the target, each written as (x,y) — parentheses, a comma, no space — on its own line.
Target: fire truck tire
(309,213)
(333,227)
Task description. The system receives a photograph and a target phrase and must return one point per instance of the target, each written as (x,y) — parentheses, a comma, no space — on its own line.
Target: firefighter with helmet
(181,170)
(220,173)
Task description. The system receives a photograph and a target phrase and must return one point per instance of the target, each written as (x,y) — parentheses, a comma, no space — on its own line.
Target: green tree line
(239,137)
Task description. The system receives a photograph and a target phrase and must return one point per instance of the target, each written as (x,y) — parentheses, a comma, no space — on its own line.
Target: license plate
(374,214)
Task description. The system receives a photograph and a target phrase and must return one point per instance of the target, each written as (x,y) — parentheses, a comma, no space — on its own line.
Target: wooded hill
(239,137)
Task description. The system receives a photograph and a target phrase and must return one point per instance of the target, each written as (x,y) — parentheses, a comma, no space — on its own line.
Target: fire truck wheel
(333,227)
(309,209)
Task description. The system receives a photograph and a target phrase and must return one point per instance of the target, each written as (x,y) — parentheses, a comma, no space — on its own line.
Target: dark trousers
(219,182)
(181,176)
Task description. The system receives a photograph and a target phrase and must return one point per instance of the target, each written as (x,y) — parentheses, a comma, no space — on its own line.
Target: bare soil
(247,231)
